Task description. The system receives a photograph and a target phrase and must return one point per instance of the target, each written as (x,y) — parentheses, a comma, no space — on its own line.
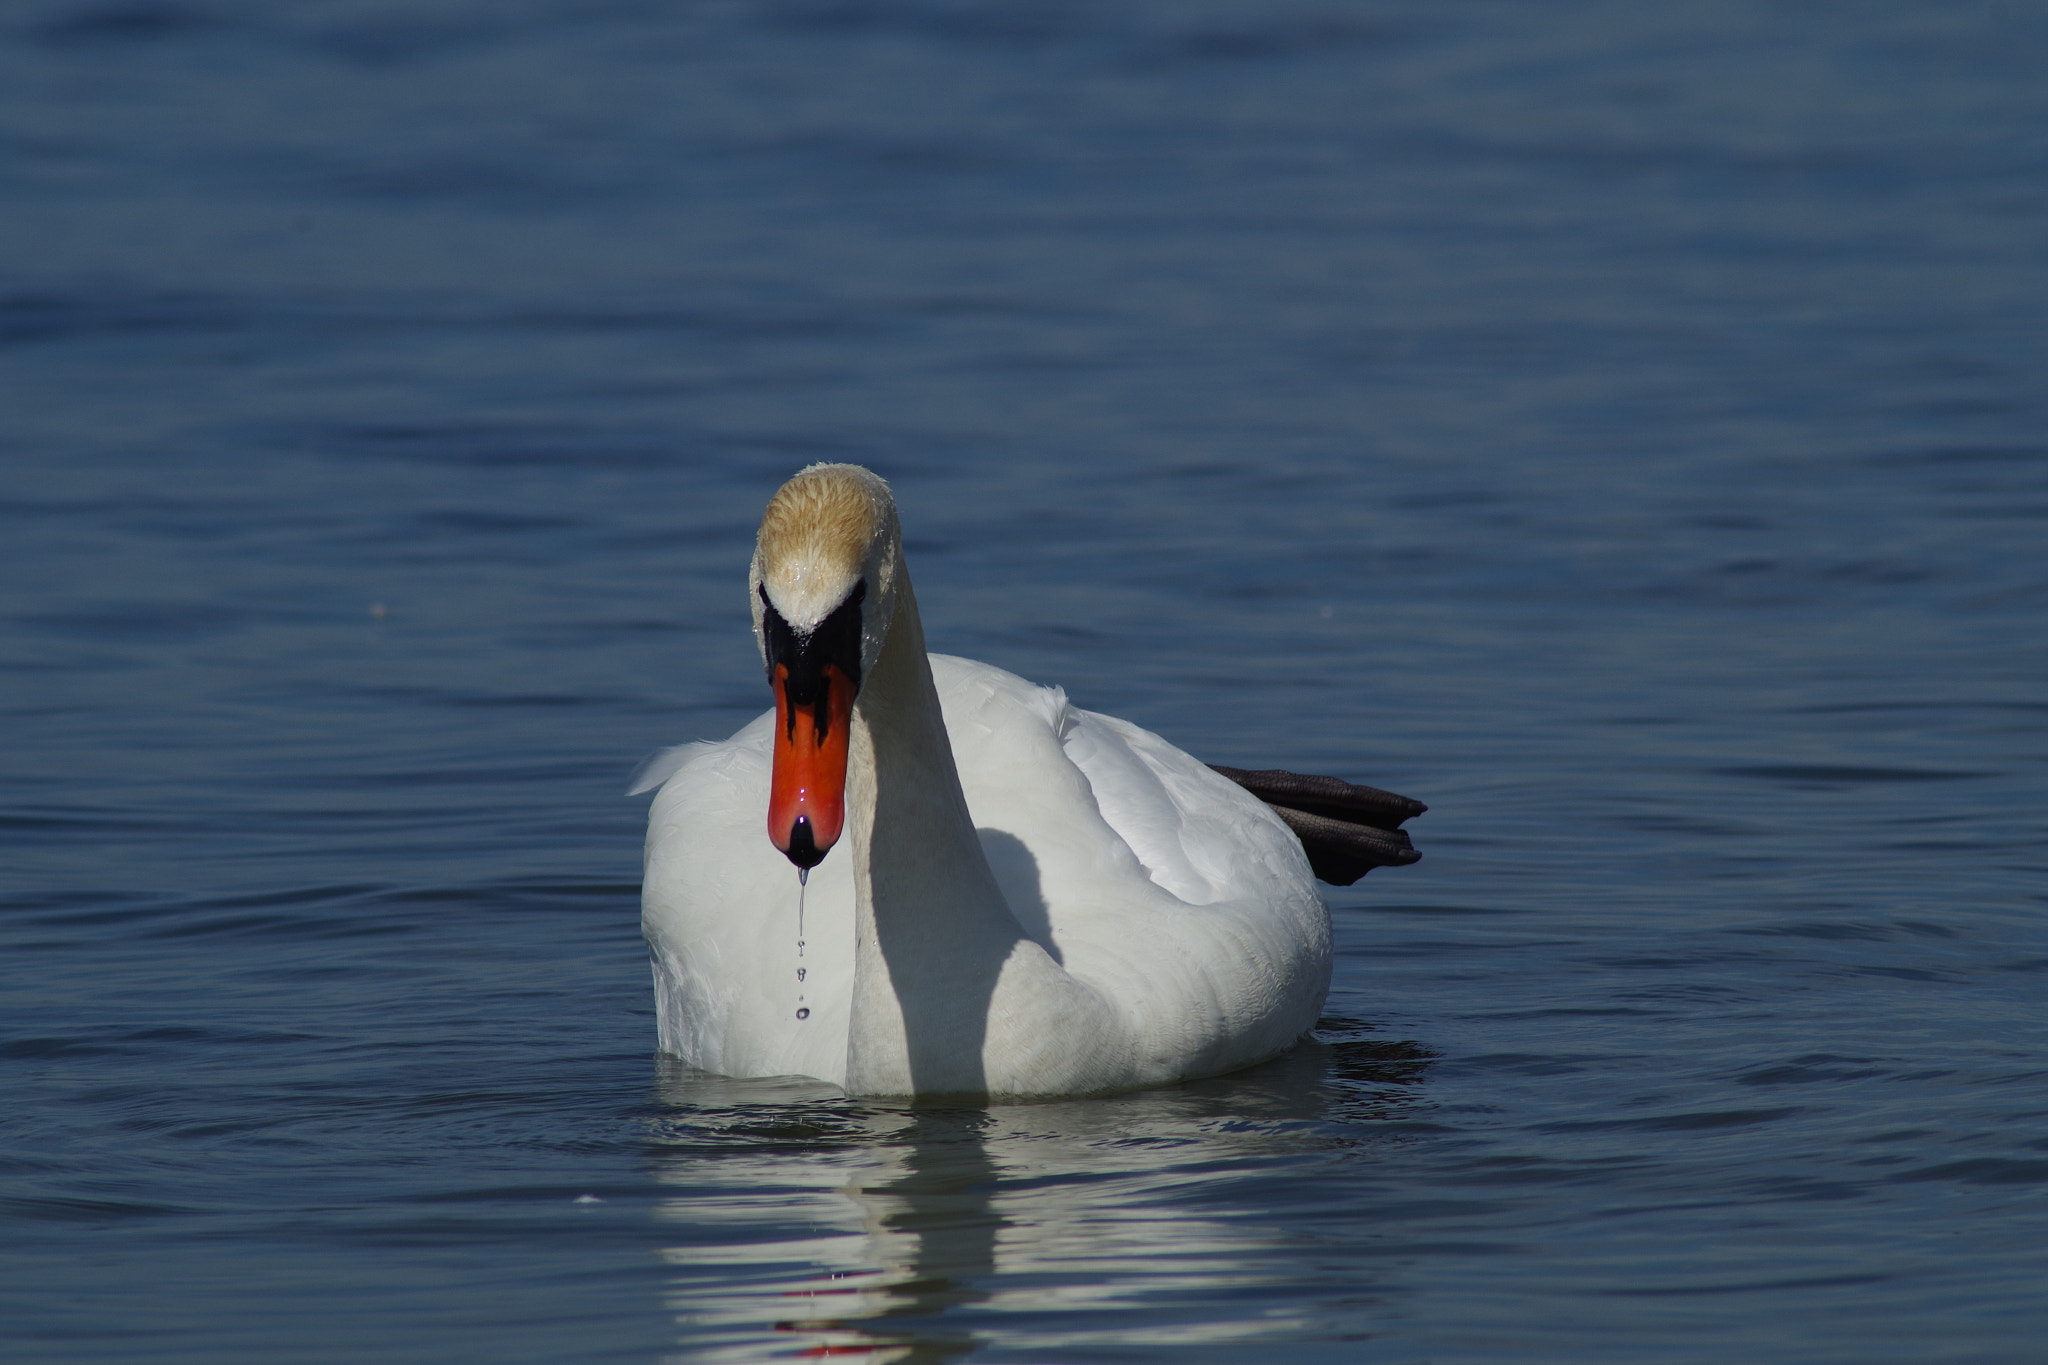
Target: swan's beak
(814,675)
(807,798)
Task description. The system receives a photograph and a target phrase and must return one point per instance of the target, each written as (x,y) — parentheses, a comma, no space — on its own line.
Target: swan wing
(1174,892)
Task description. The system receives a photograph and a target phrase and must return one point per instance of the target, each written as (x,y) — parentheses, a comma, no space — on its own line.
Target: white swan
(1033,900)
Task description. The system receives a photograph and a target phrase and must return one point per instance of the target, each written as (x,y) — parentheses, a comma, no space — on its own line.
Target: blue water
(1617,425)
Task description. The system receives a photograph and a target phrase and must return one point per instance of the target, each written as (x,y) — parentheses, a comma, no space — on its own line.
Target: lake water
(1618,426)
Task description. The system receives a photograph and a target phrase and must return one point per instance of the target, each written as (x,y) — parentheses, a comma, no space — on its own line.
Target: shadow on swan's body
(1035,900)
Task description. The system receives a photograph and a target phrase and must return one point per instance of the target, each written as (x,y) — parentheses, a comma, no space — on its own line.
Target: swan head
(823,589)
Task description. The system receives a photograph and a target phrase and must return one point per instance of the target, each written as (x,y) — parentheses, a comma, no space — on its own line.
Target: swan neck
(932,930)
(914,842)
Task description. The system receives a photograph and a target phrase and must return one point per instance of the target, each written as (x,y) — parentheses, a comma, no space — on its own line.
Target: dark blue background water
(1617,425)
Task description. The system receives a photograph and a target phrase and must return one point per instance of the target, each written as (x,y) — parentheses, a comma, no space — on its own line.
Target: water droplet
(803,1014)
(799,973)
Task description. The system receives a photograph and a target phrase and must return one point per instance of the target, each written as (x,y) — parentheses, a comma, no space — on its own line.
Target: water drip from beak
(803,881)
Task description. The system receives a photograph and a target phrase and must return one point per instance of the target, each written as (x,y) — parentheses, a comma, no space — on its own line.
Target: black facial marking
(834,644)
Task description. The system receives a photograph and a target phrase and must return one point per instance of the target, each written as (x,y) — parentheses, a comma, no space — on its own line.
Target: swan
(1031,900)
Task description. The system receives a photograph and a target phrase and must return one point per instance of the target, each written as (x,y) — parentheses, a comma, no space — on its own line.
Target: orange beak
(807,796)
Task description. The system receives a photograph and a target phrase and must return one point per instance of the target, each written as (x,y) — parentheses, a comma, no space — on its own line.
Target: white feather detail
(658,767)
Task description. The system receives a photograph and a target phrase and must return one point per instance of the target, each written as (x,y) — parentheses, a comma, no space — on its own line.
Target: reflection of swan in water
(818,1226)
(932,1228)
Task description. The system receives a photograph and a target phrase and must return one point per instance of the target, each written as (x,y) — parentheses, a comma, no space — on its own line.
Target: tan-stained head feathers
(828,528)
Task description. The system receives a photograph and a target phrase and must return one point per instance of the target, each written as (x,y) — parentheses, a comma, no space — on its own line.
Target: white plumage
(1083,908)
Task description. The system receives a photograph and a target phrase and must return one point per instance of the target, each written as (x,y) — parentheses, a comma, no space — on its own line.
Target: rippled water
(1617,426)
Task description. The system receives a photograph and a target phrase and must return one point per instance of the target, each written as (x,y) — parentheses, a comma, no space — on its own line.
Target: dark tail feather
(1346,830)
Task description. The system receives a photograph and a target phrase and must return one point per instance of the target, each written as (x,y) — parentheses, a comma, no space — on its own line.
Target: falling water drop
(802,882)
